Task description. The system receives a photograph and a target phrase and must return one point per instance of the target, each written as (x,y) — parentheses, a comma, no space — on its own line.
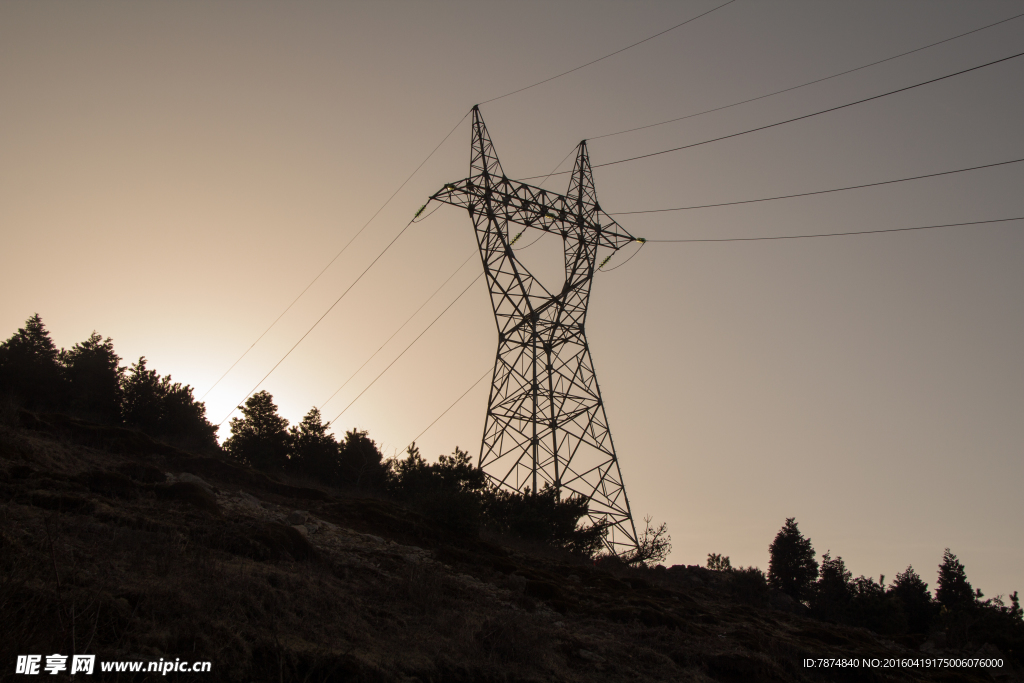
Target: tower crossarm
(532,207)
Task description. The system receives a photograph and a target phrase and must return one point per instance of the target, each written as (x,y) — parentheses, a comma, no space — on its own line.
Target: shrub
(748,585)
(718,563)
(652,546)
(450,492)
(546,517)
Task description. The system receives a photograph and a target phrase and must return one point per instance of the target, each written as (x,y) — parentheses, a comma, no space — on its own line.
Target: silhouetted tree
(314,452)
(360,461)
(1001,625)
(545,517)
(94,376)
(141,397)
(450,491)
(718,563)
(870,607)
(914,600)
(183,419)
(792,567)
(259,439)
(953,591)
(29,367)
(652,545)
(831,592)
(165,409)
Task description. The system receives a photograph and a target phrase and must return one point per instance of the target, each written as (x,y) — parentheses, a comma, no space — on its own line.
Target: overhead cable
(808,194)
(486,372)
(844,234)
(804,85)
(313,326)
(407,321)
(336,256)
(407,348)
(611,54)
(797,118)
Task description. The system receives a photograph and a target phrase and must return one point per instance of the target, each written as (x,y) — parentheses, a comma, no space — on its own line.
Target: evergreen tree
(94,376)
(141,397)
(165,409)
(360,461)
(30,368)
(832,591)
(314,452)
(450,491)
(792,567)
(183,419)
(911,593)
(870,607)
(260,438)
(953,591)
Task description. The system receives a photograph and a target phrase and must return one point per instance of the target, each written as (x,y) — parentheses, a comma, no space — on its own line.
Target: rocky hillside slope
(113,544)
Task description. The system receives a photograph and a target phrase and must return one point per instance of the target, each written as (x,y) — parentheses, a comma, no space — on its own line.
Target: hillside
(114,544)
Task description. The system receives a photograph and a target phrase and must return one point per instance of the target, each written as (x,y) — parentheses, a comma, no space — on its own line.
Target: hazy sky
(174,174)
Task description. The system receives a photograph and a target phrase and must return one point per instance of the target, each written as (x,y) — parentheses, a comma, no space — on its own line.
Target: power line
(611,54)
(318,320)
(798,118)
(808,194)
(408,320)
(486,372)
(336,256)
(803,85)
(844,234)
(407,348)
(735,239)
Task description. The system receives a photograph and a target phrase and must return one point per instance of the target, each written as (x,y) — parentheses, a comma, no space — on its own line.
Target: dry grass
(97,554)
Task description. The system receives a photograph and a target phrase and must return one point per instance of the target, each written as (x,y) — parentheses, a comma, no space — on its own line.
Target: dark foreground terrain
(113,544)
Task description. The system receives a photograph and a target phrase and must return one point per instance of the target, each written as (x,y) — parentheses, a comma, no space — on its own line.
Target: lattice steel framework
(546,422)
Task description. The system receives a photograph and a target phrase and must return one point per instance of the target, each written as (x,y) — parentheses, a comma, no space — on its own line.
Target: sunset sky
(174,174)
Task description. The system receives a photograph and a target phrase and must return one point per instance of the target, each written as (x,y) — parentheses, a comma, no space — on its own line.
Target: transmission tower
(546,422)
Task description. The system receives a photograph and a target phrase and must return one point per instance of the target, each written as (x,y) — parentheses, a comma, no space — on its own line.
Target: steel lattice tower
(546,422)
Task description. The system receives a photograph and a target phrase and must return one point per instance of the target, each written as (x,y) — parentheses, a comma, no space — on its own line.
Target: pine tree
(792,567)
(94,375)
(832,591)
(260,438)
(953,591)
(914,599)
(314,452)
(30,368)
(183,419)
(164,408)
(141,397)
(360,461)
